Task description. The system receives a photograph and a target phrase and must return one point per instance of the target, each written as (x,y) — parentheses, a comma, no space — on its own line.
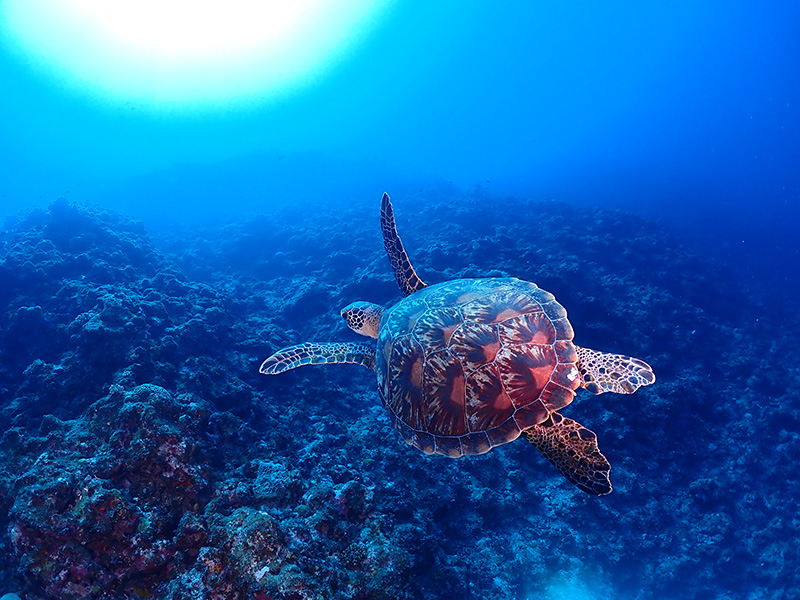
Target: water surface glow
(179,52)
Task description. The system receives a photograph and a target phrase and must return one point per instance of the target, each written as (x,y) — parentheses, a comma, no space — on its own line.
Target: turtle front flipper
(319,353)
(605,372)
(573,450)
(403,271)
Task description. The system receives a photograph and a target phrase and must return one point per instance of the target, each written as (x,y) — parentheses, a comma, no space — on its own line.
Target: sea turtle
(470,364)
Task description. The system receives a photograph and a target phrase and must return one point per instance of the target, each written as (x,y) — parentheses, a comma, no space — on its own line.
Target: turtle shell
(469,364)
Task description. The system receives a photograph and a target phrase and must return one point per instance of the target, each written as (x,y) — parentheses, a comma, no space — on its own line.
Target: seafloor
(143,456)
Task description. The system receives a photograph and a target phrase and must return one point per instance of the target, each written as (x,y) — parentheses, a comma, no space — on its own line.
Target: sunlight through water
(181,52)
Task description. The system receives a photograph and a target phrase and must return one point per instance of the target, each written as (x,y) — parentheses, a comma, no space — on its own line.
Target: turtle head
(363,318)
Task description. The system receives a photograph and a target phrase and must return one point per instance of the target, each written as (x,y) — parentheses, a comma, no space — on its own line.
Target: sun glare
(186,51)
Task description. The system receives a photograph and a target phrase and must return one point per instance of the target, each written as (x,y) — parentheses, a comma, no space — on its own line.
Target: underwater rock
(90,301)
(96,513)
(142,456)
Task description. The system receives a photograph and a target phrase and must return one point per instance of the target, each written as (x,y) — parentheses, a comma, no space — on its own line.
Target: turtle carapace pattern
(466,365)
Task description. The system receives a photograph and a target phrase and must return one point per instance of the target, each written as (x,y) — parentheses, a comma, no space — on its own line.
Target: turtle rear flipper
(403,271)
(573,451)
(605,372)
(319,353)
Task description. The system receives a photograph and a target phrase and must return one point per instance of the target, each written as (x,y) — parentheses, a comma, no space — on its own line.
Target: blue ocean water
(638,161)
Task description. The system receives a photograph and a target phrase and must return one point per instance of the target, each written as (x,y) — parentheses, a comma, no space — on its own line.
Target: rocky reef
(143,456)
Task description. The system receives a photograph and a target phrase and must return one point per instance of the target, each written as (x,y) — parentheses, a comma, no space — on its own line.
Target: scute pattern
(406,364)
(474,345)
(499,306)
(531,328)
(435,328)
(487,403)
(525,371)
(443,400)
(469,364)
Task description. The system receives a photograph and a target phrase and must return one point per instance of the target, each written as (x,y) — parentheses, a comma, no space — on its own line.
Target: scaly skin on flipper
(403,271)
(573,450)
(606,372)
(318,353)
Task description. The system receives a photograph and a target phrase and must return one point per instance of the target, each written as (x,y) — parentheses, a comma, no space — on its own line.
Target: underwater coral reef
(143,456)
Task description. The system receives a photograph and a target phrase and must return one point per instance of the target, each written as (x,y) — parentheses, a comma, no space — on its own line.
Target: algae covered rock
(142,456)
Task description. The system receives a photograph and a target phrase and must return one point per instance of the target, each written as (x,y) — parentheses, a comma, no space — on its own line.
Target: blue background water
(684,110)
(683,113)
